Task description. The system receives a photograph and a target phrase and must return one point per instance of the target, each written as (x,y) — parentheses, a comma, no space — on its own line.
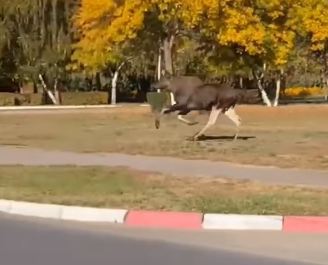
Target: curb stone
(187,220)
(87,214)
(242,222)
(173,220)
(63,107)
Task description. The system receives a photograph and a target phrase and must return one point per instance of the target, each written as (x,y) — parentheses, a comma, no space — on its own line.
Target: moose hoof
(200,137)
(192,138)
(192,123)
(157,124)
(195,138)
(235,137)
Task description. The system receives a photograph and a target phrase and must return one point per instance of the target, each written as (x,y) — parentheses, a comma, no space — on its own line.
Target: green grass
(124,188)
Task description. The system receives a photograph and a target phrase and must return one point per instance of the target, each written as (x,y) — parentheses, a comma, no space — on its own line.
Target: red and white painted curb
(175,220)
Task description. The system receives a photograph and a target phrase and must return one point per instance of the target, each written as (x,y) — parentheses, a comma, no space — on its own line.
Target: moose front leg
(184,120)
(173,108)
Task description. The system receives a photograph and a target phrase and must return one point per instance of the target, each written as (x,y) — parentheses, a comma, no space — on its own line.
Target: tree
(108,36)
(232,30)
(38,37)
(280,23)
(149,27)
(260,33)
(313,18)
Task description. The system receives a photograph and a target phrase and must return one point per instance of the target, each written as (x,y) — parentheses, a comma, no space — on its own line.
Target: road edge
(165,219)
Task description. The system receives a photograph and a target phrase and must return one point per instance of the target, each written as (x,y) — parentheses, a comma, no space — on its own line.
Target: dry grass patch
(123,188)
(288,136)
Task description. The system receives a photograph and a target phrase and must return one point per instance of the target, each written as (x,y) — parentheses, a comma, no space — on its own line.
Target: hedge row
(99,98)
(304,92)
(68,98)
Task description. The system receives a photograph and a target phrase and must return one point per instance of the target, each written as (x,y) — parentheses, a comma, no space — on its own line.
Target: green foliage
(37,37)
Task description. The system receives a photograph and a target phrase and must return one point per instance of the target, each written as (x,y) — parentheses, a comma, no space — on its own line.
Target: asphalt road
(29,242)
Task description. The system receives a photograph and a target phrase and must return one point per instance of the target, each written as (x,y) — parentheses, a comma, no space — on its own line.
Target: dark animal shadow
(224,137)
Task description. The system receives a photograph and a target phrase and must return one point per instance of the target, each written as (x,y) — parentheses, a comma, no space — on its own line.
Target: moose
(192,94)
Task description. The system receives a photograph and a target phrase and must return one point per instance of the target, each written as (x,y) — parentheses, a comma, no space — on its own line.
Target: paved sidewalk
(166,165)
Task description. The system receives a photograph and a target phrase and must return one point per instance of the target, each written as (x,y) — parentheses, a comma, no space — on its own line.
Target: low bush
(304,91)
(13,99)
(84,98)
(68,98)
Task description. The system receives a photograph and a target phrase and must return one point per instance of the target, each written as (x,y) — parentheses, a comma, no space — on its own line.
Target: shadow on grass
(224,137)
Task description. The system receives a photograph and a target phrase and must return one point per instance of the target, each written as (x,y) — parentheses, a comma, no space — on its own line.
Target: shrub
(84,98)
(7,99)
(304,91)
(13,99)
(68,98)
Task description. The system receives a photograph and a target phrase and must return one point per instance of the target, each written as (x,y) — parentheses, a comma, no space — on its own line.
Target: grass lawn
(287,136)
(119,187)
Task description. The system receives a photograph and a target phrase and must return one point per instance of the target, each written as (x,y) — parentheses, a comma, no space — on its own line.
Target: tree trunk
(326,88)
(98,81)
(159,66)
(325,75)
(43,22)
(35,87)
(167,47)
(114,84)
(241,83)
(56,92)
(264,95)
(49,93)
(278,88)
(54,24)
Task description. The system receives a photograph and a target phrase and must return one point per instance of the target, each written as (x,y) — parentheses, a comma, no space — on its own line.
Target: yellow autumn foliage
(266,29)
(313,16)
(102,25)
(304,91)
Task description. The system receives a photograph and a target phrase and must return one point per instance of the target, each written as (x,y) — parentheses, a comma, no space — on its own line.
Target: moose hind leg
(232,115)
(211,121)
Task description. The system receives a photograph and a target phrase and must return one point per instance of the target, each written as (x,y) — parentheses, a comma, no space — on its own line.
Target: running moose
(192,94)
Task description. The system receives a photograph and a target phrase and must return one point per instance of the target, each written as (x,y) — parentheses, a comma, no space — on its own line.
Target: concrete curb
(306,224)
(62,212)
(63,107)
(86,214)
(56,107)
(173,220)
(164,219)
(242,222)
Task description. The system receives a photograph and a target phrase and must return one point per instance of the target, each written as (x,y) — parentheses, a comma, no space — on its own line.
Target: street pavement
(31,241)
